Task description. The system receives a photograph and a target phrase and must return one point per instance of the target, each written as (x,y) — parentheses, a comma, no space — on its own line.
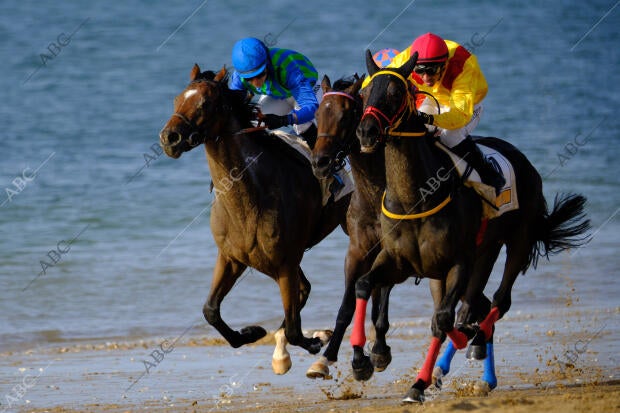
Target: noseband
(407,106)
(194,139)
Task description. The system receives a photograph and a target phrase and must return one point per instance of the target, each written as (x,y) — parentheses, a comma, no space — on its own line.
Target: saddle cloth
(302,147)
(492,206)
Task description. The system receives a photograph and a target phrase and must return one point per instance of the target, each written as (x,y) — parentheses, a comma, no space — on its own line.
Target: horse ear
(407,68)
(193,75)
(326,84)
(221,74)
(355,87)
(370,63)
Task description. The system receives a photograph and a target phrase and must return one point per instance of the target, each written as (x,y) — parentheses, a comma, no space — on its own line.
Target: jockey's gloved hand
(425,118)
(276,121)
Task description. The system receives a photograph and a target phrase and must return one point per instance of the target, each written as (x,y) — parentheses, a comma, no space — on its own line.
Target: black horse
(431,221)
(338,116)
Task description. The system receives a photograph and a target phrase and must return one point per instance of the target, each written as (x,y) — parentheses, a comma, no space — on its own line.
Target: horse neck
(369,173)
(230,161)
(414,174)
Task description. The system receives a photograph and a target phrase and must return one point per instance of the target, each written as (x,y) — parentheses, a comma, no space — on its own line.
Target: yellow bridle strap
(413,216)
(407,134)
(389,72)
(392,129)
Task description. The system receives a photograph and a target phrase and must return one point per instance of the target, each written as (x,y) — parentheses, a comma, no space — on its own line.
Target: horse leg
(517,253)
(438,288)
(281,359)
(361,364)
(289,281)
(381,355)
(443,323)
(225,274)
(475,305)
(467,316)
(489,379)
(355,262)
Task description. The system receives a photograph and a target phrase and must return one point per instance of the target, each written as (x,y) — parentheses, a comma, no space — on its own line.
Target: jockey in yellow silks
(451,74)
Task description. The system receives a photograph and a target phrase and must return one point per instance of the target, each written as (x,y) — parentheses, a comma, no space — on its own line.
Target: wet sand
(556,363)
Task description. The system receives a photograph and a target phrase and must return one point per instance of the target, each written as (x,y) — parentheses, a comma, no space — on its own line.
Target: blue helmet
(249,57)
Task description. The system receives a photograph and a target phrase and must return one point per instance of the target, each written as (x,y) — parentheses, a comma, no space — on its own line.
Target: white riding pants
(451,137)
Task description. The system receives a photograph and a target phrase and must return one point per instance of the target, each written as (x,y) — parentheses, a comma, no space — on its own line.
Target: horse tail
(561,229)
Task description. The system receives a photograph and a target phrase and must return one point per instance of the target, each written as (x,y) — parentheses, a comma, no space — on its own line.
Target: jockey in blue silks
(284,79)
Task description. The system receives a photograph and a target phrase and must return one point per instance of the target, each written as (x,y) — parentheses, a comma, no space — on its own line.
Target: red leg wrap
(426,372)
(358,335)
(458,338)
(487,324)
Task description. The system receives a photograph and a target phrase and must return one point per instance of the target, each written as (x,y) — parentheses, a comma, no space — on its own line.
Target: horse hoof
(414,395)
(476,352)
(381,360)
(281,366)
(437,379)
(317,370)
(315,345)
(323,335)
(251,334)
(482,388)
(362,368)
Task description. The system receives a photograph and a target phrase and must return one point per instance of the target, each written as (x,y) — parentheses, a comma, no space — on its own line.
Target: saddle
(492,206)
(301,149)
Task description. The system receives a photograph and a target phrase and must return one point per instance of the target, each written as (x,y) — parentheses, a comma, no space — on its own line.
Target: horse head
(387,101)
(200,113)
(337,118)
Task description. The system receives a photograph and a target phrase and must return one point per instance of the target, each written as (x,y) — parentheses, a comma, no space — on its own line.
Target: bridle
(343,148)
(194,139)
(407,107)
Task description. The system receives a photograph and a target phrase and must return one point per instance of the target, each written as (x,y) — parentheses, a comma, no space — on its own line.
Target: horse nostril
(323,162)
(173,138)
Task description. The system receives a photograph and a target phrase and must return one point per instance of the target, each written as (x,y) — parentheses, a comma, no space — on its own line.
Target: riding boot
(336,185)
(310,135)
(468,150)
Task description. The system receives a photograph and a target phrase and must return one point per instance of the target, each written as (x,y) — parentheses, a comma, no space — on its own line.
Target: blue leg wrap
(446,358)
(489,367)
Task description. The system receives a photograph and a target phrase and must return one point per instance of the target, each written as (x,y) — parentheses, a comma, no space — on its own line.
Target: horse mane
(237,98)
(345,82)
(244,109)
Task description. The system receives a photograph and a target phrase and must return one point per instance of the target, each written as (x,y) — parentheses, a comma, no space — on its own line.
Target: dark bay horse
(337,118)
(430,221)
(267,209)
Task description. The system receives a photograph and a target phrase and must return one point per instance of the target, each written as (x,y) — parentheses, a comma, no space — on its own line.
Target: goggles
(429,69)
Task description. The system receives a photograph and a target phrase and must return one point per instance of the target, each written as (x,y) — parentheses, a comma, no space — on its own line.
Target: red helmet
(431,49)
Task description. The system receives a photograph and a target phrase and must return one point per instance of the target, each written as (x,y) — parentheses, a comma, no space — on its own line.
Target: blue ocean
(105,238)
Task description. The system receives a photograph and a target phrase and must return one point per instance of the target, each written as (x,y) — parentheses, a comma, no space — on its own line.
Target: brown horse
(337,118)
(268,205)
(430,221)
(338,115)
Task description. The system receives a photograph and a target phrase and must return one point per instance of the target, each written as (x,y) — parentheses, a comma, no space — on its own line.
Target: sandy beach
(570,367)
(107,254)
